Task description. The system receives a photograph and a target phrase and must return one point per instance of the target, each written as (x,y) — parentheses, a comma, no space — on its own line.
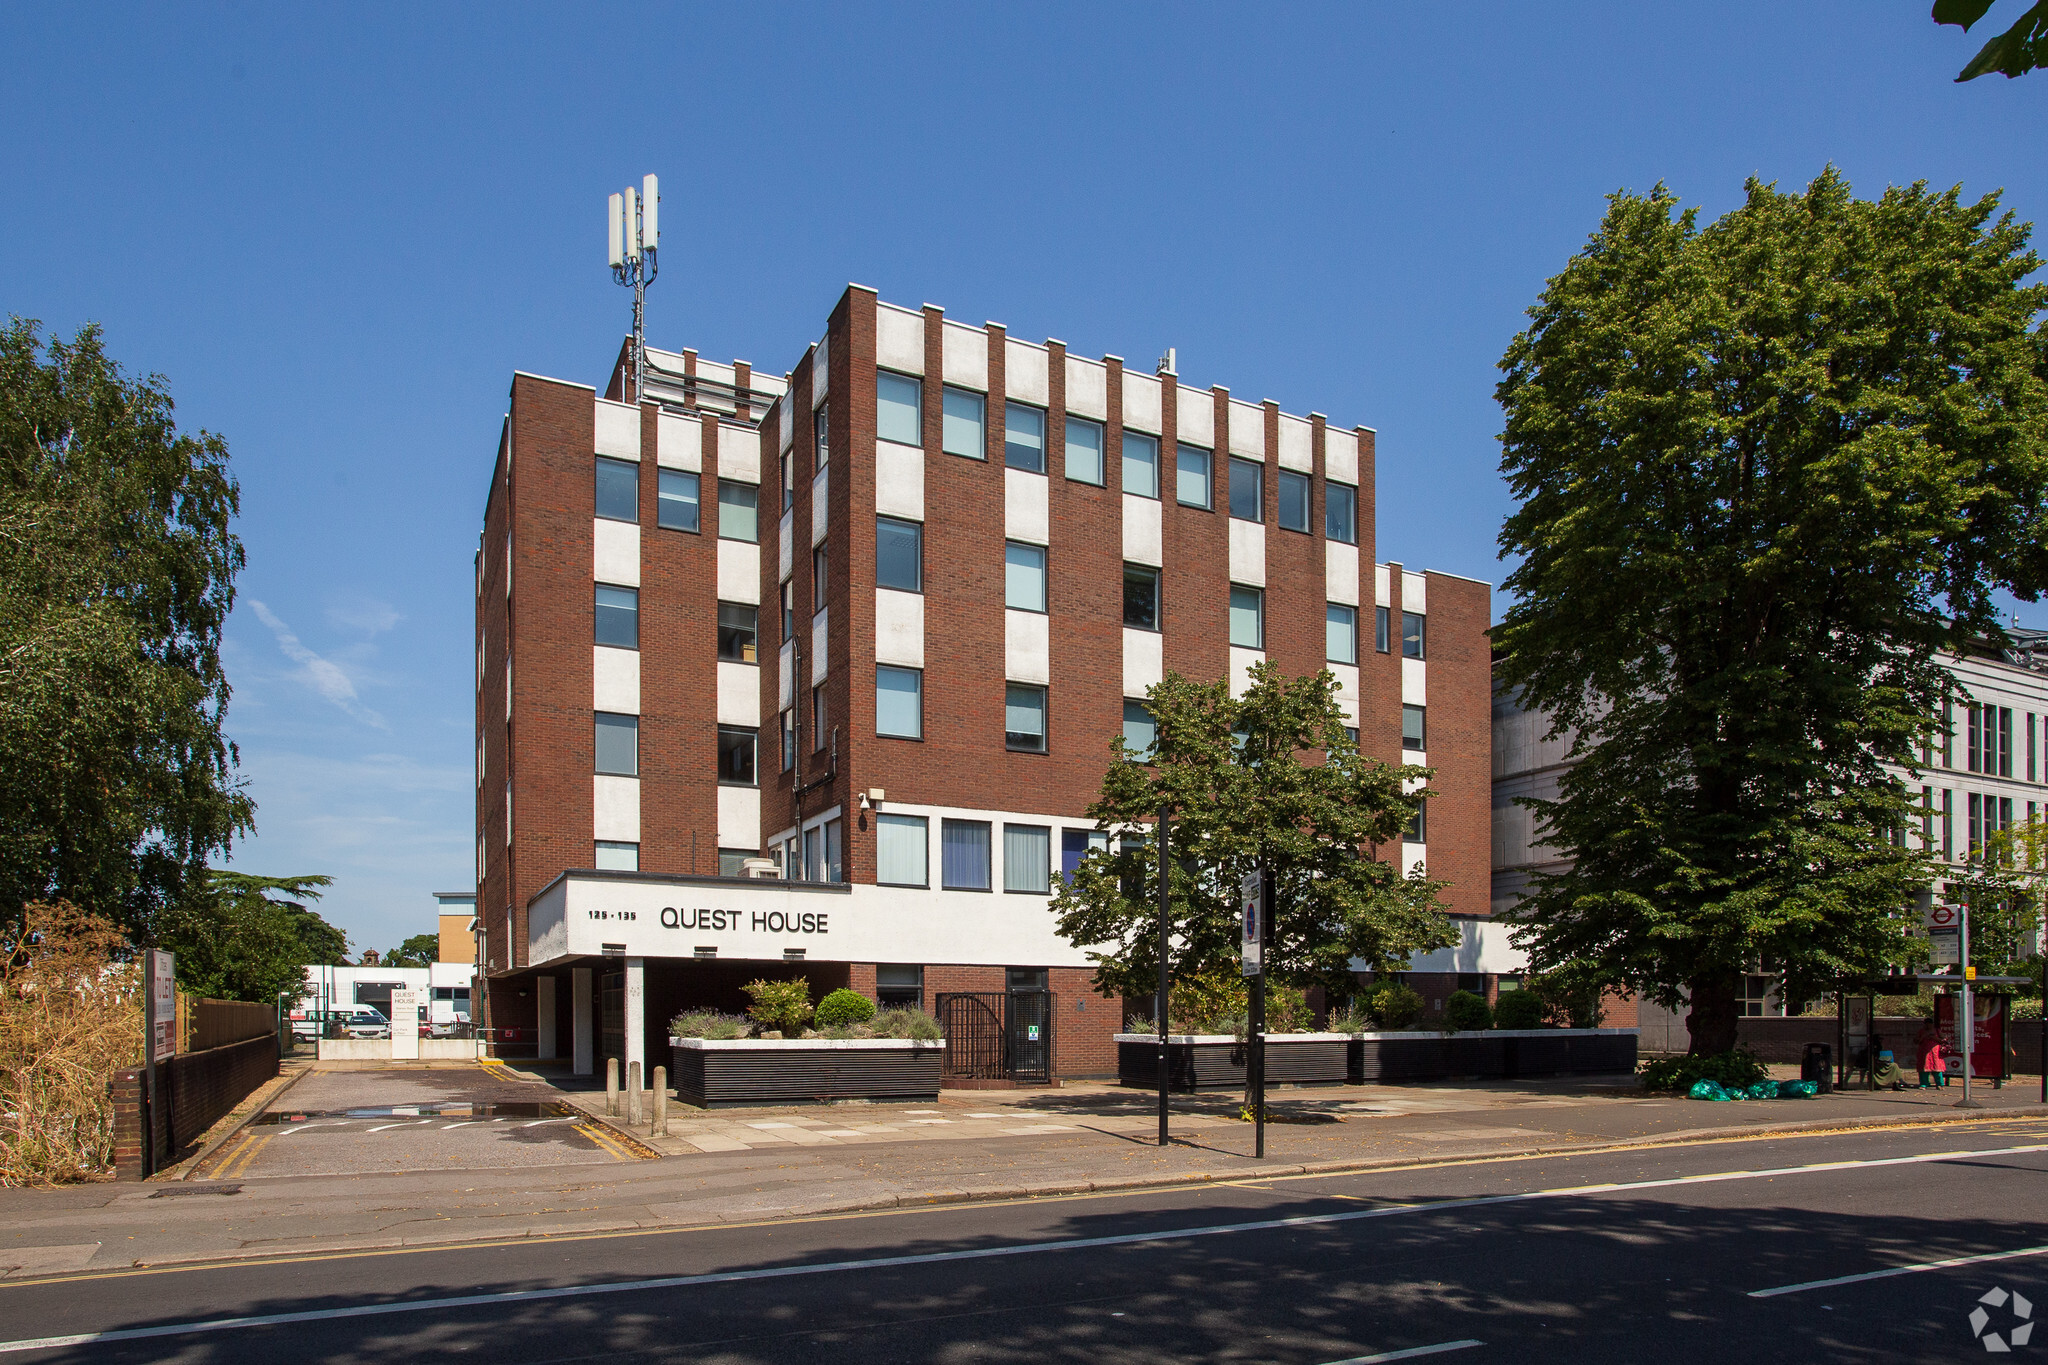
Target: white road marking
(538,1122)
(464,1124)
(1898,1270)
(1411,1353)
(382,1126)
(370,1310)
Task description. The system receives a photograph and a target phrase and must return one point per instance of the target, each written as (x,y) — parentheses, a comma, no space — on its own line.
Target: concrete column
(636,1016)
(582,1028)
(544,1002)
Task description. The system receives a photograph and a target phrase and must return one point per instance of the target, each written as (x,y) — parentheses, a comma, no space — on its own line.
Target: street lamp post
(1165,929)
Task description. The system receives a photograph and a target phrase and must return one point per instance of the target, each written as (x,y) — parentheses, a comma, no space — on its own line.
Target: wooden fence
(207,1024)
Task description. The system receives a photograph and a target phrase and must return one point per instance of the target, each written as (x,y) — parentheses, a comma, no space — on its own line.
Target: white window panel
(1141,403)
(739,571)
(1241,661)
(1297,444)
(615,552)
(899,339)
(1340,572)
(1142,536)
(1027,646)
(1247,552)
(1414,593)
(618,430)
(820,635)
(615,808)
(1340,455)
(615,677)
(1025,372)
(899,480)
(1194,416)
(785,533)
(1025,506)
(899,628)
(739,453)
(739,817)
(1382,586)
(1247,430)
(821,503)
(1144,660)
(1415,682)
(1347,691)
(739,694)
(786,662)
(1088,388)
(821,371)
(679,442)
(964,351)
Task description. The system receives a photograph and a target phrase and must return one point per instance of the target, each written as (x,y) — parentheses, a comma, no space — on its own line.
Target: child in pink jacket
(1933,1065)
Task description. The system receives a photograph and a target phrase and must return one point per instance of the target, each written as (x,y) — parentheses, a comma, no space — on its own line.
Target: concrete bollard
(633,1094)
(611,1085)
(661,1101)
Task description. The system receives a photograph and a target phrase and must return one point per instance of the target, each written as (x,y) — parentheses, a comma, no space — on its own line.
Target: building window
(1948,824)
(821,436)
(1247,617)
(817,717)
(1247,490)
(961,422)
(1351,736)
(1380,629)
(1412,732)
(1340,633)
(1418,828)
(735,756)
(732,862)
(899,987)
(899,409)
(618,490)
(739,516)
(1191,476)
(899,554)
(1411,635)
(789,739)
(1077,844)
(900,850)
(618,744)
(1141,464)
(1084,450)
(1024,437)
(1141,596)
(1141,731)
(788,484)
(1293,501)
(788,592)
(899,702)
(821,574)
(616,857)
(618,616)
(1340,512)
(963,855)
(1027,859)
(737,627)
(822,852)
(1973,754)
(1023,576)
(1024,718)
(676,506)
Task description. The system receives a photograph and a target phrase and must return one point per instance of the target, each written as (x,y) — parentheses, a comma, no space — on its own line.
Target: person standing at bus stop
(1933,1065)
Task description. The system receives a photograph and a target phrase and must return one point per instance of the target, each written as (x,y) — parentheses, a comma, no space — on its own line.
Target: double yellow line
(243,1153)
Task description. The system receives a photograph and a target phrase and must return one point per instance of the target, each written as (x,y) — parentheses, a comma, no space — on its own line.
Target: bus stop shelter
(1856,1020)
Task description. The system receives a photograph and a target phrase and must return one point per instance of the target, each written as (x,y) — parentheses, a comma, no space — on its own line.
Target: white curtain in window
(1027,858)
(900,850)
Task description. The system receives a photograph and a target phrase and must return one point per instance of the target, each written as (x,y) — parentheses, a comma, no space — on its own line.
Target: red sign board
(1987,1053)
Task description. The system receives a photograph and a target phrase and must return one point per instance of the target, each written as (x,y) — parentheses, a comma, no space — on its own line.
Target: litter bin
(1818,1066)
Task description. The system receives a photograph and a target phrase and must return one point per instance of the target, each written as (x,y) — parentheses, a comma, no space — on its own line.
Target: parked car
(312,1024)
(366,1022)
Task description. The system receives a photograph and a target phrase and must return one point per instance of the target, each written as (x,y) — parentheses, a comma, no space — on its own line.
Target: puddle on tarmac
(518,1110)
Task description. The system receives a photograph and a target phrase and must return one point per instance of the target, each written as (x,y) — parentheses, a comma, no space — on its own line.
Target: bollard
(661,1101)
(633,1094)
(611,1085)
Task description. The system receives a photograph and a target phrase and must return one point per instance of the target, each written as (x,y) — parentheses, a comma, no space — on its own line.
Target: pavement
(353,1159)
(1901,1243)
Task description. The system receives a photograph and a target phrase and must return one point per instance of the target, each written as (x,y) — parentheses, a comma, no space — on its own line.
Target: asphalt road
(1697,1253)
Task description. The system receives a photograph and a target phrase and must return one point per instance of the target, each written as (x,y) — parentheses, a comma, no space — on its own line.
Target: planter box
(1207,1061)
(1509,1054)
(723,1074)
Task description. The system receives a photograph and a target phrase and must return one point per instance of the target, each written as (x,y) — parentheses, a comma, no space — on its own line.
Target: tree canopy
(247,938)
(2018,50)
(117,570)
(421,950)
(1769,469)
(1269,773)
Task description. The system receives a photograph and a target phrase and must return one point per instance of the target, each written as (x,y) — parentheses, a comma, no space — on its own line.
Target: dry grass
(70,1017)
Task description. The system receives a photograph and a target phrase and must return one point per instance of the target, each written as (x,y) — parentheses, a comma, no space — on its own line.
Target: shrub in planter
(1731,1070)
(1518,1010)
(1350,1019)
(707,1024)
(1466,1011)
(1395,1006)
(843,1008)
(782,1006)
(907,1023)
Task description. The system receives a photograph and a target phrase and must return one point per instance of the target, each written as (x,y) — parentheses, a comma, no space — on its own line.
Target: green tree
(246,937)
(2018,50)
(421,950)
(2002,884)
(1769,470)
(1272,773)
(117,569)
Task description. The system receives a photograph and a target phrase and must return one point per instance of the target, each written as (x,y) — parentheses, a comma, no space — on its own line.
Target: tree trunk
(1715,1008)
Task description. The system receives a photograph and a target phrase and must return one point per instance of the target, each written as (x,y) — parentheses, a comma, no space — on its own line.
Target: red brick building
(873,626)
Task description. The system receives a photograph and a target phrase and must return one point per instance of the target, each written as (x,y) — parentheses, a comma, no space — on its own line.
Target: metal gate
(994,1036)
(611,1029)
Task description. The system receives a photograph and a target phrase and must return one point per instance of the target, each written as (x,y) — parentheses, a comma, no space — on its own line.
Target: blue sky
(337,232)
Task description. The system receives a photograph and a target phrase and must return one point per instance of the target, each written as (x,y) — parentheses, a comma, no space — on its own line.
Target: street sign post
(1944,926)
(1165,922)
(1252,898)
(159,1039)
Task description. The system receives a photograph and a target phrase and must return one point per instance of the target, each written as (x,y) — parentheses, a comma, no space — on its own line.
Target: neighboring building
(1990,772)
(870,630)
(457,926)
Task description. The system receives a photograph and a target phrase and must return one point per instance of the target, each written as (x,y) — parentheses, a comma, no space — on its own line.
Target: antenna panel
(618,230)
(650,213)
(632,226)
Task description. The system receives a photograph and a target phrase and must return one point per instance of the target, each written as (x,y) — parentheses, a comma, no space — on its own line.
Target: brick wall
(196,1090)
(1460,739)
